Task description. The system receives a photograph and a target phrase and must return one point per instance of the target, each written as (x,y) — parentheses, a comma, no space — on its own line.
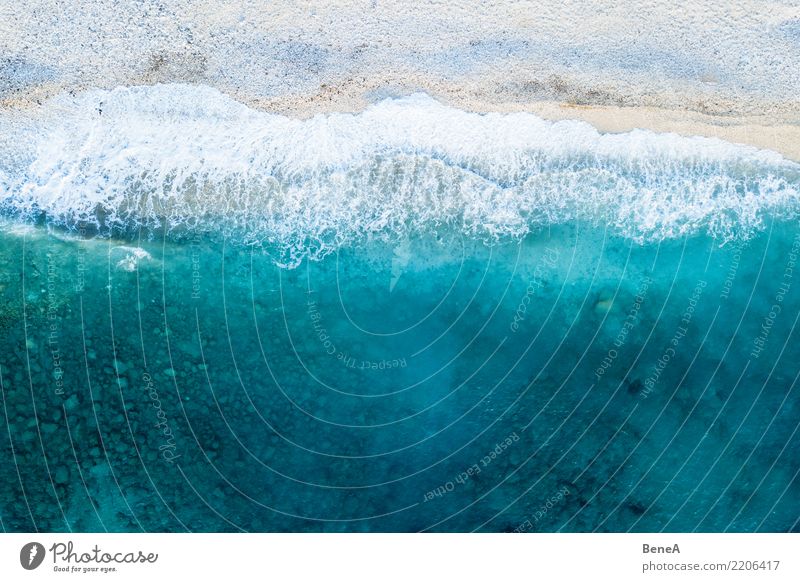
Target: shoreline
(779,132)
(705,69)
(776,132)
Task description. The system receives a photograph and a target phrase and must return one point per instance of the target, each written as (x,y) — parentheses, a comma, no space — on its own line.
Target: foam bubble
(190,158)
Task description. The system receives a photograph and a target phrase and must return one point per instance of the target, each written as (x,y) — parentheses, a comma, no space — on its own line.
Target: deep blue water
(573,380)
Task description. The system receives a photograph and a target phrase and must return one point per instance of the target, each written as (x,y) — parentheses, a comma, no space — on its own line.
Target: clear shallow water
(409,319)
(361,392)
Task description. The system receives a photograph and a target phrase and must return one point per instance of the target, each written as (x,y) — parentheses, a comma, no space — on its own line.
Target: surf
(188,159)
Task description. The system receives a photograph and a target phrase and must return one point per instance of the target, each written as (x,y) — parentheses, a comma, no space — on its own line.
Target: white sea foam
(191,158)
(132,256)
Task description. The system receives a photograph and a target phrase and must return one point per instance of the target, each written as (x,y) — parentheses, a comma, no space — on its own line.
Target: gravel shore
(692,68)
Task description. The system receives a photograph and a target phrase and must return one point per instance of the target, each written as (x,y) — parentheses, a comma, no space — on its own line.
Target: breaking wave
(190,159)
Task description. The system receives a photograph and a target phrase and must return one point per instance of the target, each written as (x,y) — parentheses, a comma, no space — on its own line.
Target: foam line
(192,158)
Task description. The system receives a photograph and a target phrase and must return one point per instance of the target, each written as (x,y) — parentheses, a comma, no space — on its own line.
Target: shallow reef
(572,380)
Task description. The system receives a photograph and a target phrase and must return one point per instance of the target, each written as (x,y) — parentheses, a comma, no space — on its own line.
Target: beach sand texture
(730,70)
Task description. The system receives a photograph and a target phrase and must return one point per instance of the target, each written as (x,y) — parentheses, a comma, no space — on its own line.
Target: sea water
(412,318)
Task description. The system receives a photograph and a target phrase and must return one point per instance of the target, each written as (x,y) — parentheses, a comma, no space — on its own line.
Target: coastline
(706,69)
(779,132)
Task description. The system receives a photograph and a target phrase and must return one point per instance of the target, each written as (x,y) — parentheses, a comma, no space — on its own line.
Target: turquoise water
(411,319)
(446,386)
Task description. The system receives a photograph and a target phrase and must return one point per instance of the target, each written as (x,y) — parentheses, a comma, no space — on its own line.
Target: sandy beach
(696,68)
